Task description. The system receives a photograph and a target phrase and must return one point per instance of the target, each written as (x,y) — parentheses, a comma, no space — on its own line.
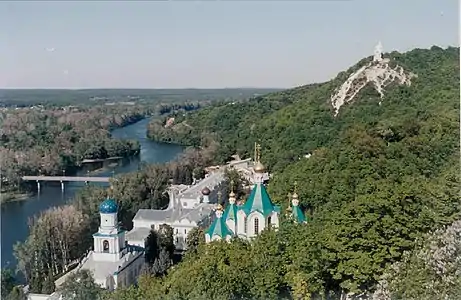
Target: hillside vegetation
(380,177)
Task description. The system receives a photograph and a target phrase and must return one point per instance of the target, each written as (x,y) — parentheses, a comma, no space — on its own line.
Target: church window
(185,231)
(177,240)
(105,246)
(177,230)
(245,225)
(256,225)
(269,221)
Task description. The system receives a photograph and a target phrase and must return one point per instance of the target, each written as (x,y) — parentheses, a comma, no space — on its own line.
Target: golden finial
(289,203)
(219,207)
(232,194)
(258,167)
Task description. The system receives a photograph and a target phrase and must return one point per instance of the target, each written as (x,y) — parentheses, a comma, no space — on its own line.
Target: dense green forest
(379,177)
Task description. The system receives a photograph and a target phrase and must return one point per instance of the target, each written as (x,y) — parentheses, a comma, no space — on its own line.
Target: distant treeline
(99,96)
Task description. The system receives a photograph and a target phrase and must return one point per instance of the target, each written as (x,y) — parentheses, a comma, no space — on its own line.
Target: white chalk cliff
(378,72)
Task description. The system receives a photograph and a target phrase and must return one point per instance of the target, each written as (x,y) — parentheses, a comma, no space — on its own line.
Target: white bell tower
(109,241)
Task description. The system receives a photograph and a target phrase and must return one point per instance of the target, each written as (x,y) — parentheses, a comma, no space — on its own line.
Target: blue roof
(219,228)
(108,206)
(260,201)
(231,212)
(298,214)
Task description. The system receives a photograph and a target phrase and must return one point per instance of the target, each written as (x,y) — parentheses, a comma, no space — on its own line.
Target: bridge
(63,179)
(66,178)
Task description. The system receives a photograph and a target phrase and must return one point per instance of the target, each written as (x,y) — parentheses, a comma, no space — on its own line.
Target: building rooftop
(101,269)
(137,234)
(176,211)
(210,182)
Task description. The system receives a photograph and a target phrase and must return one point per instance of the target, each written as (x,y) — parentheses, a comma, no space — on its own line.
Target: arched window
(245,225)
(256,226)
(105,246)
(269,221)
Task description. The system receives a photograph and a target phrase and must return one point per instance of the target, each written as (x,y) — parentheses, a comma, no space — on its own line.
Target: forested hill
(379,175)
(294,122)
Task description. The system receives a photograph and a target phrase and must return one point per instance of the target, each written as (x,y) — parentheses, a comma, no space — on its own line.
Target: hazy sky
(176,44)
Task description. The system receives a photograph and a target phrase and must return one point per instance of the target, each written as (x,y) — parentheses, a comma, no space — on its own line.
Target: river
(15,215)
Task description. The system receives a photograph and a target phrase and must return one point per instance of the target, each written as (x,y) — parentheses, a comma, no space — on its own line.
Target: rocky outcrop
(378,72)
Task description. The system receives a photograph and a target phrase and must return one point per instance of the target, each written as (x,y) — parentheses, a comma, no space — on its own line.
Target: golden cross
(257,152)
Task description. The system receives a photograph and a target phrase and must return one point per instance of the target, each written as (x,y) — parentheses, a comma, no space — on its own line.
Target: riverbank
(6,197)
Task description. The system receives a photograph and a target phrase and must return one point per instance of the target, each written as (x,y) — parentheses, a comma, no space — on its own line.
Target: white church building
(189,207)
(246,220)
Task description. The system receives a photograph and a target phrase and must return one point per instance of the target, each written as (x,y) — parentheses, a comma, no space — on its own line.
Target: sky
(207,44)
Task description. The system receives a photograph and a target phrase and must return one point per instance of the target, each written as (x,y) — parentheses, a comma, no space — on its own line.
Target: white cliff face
(378,72)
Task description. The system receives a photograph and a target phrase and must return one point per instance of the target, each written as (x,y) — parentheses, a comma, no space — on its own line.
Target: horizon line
(144,88)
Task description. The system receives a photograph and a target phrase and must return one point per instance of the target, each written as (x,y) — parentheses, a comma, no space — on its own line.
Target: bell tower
(109,241)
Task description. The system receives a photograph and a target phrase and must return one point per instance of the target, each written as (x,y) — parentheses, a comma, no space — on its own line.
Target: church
(258,212)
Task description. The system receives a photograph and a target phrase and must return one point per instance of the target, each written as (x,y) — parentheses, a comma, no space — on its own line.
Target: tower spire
(289,209)
(232,194)
(258,166)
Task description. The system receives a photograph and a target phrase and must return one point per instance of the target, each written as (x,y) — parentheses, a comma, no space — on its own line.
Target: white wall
(108,222)
(251,223)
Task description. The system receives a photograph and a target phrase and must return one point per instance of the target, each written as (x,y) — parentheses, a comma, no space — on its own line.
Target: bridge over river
(63,179)
(66,178)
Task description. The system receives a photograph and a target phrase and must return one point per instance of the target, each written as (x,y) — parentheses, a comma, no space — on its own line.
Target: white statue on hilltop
(378,52)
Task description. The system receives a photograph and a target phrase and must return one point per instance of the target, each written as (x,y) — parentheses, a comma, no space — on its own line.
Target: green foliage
(48,284)
(159,250)
(8,281)
(429,272)
(195,238)
(81,286)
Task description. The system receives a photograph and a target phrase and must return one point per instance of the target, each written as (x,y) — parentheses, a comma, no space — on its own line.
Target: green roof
(260,201)
(298,214)
(230,213)
(219,228)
